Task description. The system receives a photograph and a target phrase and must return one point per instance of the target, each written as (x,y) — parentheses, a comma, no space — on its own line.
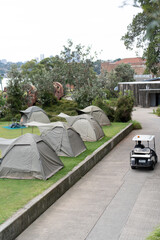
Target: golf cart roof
(143,138)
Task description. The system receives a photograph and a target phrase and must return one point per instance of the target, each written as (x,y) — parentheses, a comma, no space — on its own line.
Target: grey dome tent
(34,113)
(97,113)
(29,157)
(88,128)
(4,143)
(64,140)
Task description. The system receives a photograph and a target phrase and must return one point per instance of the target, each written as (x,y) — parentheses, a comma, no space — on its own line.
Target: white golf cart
(141,155)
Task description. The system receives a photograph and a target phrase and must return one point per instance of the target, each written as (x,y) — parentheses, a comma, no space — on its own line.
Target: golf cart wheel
(152,167)
(133,167)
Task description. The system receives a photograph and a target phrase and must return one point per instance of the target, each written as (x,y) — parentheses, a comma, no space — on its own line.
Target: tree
(42,75)
(79,64)
(81,74)
(89,92)
(97,66)
(57,68)
(44,84)
(15,98)
(1,81)
(122,73)
(145,31)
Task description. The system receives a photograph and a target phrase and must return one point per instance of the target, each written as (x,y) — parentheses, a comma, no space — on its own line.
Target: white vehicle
(141,155)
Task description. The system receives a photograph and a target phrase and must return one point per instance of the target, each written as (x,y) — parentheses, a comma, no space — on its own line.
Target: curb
(15,225)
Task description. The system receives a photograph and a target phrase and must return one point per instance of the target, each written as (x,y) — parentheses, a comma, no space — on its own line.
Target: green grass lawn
(14,194)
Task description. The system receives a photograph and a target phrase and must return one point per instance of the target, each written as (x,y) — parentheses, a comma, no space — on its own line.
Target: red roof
(138,64)
(131,60)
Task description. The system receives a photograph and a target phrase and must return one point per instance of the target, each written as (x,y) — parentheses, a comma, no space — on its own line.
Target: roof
(143,138)
(143,82)
(131,60)
(138,64)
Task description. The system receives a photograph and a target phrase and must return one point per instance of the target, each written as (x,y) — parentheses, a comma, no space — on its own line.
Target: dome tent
(64,140)
(34,113)
(88,128)
(4,143)
(29,157)
(97,113)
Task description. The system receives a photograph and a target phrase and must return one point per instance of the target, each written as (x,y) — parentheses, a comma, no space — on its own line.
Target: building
(138,64)
(146,93)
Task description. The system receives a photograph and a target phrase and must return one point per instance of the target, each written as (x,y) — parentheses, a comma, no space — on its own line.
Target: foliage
(87,93)
(79,64)
(65,106)
(81,74)
(2,100)
(145,31)
(136,125)
(75,67)
(42,75)
(15,99)
(155,235)
(157,112)
(112,102)
(122,73)
(97,66)
(124,108)
(29,68)
(57,68)
(152,56)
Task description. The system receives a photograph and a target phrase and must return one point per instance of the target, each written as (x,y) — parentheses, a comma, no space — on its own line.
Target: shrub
(56,118)
(124,108)
(155,235)
(136,125)
(18,117)
(158,111)
(47,99)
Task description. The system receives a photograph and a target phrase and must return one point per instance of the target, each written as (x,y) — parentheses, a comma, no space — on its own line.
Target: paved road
(111,202)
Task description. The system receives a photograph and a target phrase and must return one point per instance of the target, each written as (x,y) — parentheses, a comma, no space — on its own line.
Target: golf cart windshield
(149,139)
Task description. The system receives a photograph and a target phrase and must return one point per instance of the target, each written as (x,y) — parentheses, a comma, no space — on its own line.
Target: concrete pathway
(111,202)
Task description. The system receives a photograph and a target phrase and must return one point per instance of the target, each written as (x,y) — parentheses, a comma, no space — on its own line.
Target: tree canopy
(122,73)
(145,32)
(75,66)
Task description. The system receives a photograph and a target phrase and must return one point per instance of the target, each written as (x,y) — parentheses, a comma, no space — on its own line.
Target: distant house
(138,64)
(146,93)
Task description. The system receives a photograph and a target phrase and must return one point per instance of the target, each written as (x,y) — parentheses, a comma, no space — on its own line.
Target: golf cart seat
(145,150)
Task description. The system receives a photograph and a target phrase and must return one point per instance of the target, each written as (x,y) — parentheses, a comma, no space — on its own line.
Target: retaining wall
(30,212)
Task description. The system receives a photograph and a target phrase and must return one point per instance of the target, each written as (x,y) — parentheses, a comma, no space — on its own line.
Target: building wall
(138,64)
(146,94)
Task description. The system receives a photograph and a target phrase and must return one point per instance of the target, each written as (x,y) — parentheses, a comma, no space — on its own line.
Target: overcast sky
(33,27)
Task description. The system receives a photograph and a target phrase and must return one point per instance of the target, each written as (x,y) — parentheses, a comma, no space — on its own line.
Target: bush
(65,106)
(18,117)
(47,99)
(56,118)
(124,108)
(157,112)
(136,125)
(155,235)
